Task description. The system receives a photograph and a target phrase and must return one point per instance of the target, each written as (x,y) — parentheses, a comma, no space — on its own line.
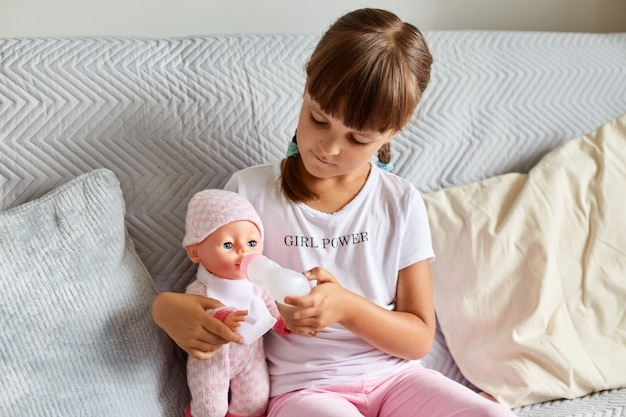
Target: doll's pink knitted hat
(209,210)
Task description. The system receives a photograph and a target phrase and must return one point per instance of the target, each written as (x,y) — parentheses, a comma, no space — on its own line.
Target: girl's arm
(184,319)
(407,332)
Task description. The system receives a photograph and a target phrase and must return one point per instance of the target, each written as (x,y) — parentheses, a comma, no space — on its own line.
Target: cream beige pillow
(530,277)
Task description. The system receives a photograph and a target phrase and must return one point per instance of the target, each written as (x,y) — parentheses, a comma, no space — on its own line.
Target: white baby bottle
(279,282)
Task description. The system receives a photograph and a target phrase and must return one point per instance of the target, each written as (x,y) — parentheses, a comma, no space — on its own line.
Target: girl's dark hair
(369,69)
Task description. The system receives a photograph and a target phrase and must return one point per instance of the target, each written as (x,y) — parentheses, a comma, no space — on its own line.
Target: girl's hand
(324,306)
(406,332)
(184,319)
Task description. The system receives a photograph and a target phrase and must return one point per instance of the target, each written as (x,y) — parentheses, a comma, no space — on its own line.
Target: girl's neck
(335,193)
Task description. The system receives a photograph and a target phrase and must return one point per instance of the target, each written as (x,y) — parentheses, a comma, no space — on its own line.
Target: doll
(221,227)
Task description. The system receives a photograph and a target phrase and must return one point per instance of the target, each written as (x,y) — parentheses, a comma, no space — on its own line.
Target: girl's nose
(329,144)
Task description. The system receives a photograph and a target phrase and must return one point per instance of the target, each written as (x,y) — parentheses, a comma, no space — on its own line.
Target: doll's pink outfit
(240,369)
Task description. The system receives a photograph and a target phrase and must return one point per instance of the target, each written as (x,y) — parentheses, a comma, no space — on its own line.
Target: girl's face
(222,251)
(330,149)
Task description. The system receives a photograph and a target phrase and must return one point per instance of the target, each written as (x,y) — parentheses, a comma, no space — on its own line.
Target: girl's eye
(315,121)
(227,245)
(252,243)
(356,141)
(320,123)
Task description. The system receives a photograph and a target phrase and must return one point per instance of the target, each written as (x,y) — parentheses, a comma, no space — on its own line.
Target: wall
(153,18)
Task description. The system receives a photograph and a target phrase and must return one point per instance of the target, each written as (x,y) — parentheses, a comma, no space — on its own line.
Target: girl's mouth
(323,161)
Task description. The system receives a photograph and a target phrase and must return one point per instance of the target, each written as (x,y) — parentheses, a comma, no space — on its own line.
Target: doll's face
(222,251)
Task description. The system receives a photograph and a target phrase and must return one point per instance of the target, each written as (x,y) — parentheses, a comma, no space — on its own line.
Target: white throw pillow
(530,276)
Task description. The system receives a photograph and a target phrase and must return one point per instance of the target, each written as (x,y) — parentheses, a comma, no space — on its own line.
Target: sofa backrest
(173,116)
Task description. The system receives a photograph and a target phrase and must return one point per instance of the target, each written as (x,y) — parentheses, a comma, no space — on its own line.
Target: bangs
(366,85)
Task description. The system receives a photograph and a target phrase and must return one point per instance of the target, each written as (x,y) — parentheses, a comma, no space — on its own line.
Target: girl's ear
(192,253)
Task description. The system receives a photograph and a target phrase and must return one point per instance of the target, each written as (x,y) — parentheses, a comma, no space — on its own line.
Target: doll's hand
(184,319)
(325,305)
(235,318)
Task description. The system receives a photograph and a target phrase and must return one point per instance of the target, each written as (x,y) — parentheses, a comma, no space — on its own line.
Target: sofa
(518,149)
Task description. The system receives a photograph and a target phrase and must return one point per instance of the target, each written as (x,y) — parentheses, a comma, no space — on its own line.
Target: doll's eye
(227,245)
(252,243)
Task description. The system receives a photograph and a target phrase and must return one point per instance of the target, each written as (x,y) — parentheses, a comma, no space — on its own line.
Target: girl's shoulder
(394,183)
(398,194)
(255,169)
(254,176)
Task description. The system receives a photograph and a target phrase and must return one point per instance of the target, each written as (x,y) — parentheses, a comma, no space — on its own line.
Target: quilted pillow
(530,277)
(76,335)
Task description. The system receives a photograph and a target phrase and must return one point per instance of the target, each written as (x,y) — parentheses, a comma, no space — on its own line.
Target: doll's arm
(230,317)
(280,326)
(227,315)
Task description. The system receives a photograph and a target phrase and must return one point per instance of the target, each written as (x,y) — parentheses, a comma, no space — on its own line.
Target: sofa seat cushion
(530,276)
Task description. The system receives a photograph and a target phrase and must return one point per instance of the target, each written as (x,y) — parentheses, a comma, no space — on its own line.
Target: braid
(291,182)
(384,157)
(384,153)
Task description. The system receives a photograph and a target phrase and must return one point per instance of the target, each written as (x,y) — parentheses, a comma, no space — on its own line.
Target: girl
(356,334)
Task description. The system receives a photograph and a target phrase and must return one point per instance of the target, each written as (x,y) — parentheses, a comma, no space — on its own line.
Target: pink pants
(414,392)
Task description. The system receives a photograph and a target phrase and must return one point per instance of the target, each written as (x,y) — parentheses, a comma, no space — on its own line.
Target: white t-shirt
(381,231)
